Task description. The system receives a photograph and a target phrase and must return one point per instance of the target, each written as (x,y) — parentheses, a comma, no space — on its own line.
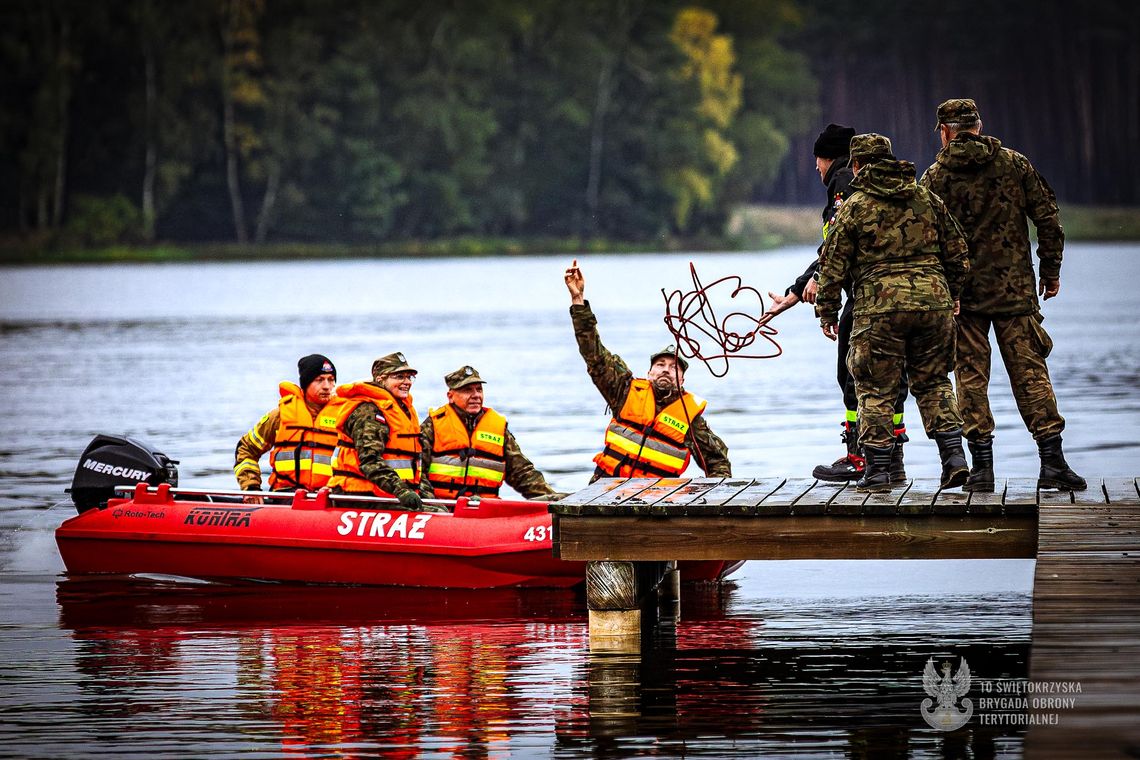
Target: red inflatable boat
(156,528)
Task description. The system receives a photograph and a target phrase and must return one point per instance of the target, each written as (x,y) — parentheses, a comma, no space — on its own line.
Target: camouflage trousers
(883,346)
(1024,346)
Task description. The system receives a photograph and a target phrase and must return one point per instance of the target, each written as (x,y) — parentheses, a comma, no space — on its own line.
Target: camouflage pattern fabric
(252,446)
(1024,346)
(991,191)
(520,474)
(369,433)
(895,244)
(612,378)
(882,346)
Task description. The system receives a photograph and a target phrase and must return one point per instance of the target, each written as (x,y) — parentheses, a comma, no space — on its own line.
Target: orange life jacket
(301,456)
(463,464)
(402,452)
(641,442)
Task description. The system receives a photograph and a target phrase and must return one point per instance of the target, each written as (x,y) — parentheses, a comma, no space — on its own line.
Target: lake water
(792,658)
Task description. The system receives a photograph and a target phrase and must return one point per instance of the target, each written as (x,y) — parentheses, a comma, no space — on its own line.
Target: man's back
(991,191)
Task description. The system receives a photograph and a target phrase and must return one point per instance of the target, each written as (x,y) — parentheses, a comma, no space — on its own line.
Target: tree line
(358,121)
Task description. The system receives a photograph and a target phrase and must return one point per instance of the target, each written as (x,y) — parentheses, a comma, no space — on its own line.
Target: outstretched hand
(575,283)
(780,304)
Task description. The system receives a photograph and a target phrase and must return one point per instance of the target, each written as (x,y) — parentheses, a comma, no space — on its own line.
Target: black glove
(411,501)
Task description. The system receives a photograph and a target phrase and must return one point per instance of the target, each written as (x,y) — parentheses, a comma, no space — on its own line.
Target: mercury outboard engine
(110,461)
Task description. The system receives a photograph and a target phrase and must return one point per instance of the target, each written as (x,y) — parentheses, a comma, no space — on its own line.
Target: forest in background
(362,123)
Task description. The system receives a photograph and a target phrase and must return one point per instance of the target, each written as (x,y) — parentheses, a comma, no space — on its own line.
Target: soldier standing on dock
(991,191)
(904,258)
(656,423)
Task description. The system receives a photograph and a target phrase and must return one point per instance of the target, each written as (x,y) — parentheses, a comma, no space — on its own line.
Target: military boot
(877,472)
(1055,471)
(954,468)
(848,467)
(981,478)
(898,472)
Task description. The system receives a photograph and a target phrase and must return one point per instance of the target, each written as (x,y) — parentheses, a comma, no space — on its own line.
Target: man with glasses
(378,449)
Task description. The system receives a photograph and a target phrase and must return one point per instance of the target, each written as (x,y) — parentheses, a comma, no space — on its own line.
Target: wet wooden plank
(1020,496)
(610,501)
(782,499)
(919,498)
(815,501)
(849,501)
(988,503)
(750,500)
(655,492)
(886,502)
(952,502)
(1121,491)
(718,500)
(677,503)
(586,495)
(790,537)
(1094,495)
(1049,498)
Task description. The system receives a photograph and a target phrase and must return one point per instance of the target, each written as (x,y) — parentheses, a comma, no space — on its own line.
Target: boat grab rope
(692,319)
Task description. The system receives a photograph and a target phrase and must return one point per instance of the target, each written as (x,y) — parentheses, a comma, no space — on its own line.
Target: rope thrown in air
(691,318)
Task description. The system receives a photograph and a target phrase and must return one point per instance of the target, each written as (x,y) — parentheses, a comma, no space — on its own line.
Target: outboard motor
(110,461)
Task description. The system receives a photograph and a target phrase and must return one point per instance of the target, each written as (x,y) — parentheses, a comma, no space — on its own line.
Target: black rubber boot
(1055,471)
(981,479)
(954,468)
(848,467)
(877,473)
(898,471)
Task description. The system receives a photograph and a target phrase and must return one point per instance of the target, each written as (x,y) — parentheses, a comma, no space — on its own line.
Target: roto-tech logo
(945,690)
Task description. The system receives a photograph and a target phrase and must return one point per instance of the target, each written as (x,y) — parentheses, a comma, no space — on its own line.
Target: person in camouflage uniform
(832,159)
(369,434)
(992,190)
(904,258)
(615,381)
(465,401)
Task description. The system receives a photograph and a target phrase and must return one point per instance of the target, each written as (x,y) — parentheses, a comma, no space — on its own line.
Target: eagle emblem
(945,690)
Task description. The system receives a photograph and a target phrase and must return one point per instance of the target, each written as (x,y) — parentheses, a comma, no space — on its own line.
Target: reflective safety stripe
(247,464)
(454,467)
(852,415)
(629,442)
(403,467)
(254,438)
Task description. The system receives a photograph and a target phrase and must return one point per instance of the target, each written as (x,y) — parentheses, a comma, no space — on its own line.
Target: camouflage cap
(959,111)
(670,350)
(465,375)
(870,145)
(387,365)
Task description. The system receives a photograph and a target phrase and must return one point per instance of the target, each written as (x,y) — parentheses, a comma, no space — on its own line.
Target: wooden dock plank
(849,501)
(1093,495)
(610,501)
(1086,626)
(919,498)
(815,501)
(659,490)
(886,502)
(1020,496)
(791,537)
(1050,498)
(727,499)
(988,503)
(677,503)
(781,500)
(952,502)
(590,492)
(1121,491)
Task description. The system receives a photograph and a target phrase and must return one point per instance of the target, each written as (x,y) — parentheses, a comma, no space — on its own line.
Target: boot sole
(978,487)
(875,489)
(956,479)
(1059,486)
(837,479)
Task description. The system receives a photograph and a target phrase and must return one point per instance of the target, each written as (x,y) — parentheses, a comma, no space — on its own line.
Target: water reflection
(352,672)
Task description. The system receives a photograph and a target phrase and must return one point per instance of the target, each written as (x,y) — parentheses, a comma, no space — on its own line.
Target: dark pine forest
(363,122)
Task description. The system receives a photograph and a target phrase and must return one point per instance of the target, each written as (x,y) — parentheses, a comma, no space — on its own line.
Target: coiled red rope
(700,335)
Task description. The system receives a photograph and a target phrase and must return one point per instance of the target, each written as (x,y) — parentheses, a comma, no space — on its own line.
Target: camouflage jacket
(612,378)
(895,244)
(252,446)
(520,474)
(991,191)
(369,434)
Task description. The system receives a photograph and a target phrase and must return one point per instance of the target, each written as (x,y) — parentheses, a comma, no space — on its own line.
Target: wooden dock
(1086,597)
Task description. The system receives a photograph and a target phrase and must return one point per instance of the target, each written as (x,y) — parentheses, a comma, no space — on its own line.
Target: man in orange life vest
(299,434)
(657,425)
(378,448)
(468,450)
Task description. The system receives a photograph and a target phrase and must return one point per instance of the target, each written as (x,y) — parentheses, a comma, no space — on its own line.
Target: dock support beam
(617,595)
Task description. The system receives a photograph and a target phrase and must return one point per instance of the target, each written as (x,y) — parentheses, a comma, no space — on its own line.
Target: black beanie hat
(312,366)
(833,141)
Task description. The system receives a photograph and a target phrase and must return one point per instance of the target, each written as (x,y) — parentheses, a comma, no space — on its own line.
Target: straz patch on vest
(673,422)
(483,435)
(381,524)
(220,517)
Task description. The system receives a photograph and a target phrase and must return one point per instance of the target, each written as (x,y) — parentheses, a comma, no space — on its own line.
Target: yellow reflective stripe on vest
(621,438)
(403,467)
(453,467)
